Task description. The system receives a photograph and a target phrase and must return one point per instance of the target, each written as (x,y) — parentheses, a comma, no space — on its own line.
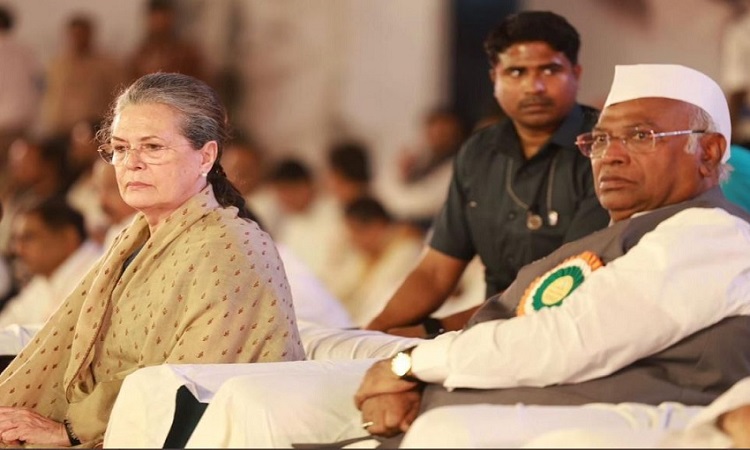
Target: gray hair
(701,120)
(203,119)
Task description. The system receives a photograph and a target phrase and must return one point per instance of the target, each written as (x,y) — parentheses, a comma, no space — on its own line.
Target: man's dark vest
(694,371)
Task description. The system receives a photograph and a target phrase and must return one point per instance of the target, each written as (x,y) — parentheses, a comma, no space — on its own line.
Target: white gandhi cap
(675,82)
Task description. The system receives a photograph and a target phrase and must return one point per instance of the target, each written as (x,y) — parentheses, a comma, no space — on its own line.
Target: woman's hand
(26,426)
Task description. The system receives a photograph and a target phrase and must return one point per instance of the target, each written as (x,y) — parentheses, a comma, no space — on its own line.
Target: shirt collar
(564,136)
(568,131)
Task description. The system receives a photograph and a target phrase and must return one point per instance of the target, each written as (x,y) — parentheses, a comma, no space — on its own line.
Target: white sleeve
(326,343)
(689,273)
(738,395)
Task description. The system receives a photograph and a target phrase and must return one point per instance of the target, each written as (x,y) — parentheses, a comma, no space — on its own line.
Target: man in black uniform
(520,188)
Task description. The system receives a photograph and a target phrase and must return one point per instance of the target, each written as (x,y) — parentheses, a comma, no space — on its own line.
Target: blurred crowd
(359,232)
(62,205)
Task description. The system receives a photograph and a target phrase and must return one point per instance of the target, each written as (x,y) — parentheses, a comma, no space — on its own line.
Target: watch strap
(433,327)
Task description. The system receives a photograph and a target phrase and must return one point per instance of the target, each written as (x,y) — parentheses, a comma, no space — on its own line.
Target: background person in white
(21,86)
(50,242)
(690,272)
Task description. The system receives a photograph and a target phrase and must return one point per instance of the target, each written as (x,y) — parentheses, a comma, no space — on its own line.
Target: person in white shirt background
(389,251)
(312,223)
(415,191)
(247,166)
(21,87)
(314,304)
(50,243)
(82,193)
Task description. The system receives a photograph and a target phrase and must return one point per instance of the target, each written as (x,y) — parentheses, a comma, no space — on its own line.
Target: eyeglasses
(593,145)
(149,153)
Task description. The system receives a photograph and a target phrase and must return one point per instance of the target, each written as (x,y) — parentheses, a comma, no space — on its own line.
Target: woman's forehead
(146,119)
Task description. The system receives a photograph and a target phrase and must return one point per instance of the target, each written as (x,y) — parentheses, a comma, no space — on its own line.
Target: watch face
(401,364)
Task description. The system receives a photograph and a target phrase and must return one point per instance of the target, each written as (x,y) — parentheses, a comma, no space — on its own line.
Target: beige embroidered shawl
(207,287)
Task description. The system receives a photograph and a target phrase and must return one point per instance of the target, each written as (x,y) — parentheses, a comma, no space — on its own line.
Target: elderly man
(652,309)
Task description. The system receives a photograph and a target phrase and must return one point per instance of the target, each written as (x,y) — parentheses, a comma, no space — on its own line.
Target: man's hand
(25,426)
(391,414)
(736,424)
(380,380)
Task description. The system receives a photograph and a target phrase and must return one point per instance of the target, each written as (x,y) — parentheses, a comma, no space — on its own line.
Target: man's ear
(713,146)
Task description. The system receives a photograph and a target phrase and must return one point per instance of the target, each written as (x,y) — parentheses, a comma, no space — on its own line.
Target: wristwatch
(401,365)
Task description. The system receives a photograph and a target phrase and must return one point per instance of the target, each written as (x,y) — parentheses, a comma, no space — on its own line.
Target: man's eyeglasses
(150,153)
(593,144)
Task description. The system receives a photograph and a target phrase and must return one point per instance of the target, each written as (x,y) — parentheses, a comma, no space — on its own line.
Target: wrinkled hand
(391,414)
(24,425)
(414,331)
(380,380)
(387,401)
(736,424)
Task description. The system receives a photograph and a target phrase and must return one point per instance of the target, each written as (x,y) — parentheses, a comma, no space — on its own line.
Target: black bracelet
(71,434)
(433,327)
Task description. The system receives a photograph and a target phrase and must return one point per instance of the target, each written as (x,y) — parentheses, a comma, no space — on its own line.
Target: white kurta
(622,425)
(690,272)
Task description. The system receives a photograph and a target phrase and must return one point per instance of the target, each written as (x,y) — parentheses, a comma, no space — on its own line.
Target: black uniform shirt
(481,217)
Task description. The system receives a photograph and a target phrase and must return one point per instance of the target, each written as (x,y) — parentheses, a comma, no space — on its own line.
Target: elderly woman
(191,280)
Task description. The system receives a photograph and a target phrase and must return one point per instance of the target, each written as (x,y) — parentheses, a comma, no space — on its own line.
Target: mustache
(536,100)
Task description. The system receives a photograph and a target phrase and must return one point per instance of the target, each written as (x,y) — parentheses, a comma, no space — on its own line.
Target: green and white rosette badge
(558,283)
